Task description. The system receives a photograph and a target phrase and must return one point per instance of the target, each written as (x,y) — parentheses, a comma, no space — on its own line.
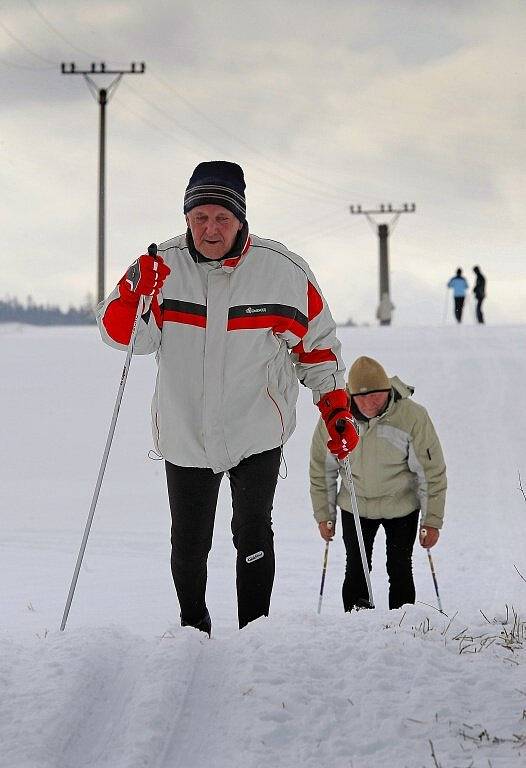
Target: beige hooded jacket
(397,467)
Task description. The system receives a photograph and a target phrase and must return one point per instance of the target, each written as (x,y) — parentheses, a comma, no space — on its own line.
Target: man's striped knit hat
(217,183)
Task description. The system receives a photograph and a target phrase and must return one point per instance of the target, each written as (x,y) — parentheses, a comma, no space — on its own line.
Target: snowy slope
(125,687)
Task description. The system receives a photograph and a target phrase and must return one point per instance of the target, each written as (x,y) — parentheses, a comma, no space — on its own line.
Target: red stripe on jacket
(315,302)
(187,318)
(278,324)
(316,356)
(315,306)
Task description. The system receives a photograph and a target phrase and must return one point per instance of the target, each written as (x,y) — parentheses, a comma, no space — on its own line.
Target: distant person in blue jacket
(460,287)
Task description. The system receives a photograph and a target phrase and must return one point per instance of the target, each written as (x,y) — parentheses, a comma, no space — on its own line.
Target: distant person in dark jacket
(480,292)
(460,287)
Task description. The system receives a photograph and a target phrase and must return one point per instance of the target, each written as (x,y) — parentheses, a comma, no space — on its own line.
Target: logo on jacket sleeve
(253,310)
(255,556)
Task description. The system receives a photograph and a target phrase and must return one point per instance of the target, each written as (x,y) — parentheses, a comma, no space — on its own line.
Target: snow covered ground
(125,687)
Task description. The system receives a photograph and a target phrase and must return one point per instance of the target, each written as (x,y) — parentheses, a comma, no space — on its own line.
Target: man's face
(371,404)
(214,229)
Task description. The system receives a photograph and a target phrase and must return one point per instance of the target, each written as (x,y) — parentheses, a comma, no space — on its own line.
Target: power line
(204,116)
(319,233)
(156,127)
(169,116)
(25,47)
(304,191)
(300,190)
(242,142)
(261,182)
(304,228)
(27,67)
(57,32)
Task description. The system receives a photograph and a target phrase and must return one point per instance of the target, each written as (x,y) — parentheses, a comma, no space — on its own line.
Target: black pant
(193,492)
(459,306)
(480,316)
(400,534)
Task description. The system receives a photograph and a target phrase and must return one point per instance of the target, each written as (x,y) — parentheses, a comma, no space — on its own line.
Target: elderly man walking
(399,475)
(235,321)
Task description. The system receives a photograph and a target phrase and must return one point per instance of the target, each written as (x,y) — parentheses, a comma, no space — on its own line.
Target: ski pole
(340,426)
(423,534)
(152,250)
(324,569)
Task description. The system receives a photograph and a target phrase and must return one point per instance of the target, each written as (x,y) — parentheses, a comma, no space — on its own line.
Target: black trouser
(480,316)
(459,306)
(193,492)
(400,535)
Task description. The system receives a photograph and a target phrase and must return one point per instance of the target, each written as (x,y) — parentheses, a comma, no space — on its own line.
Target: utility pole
(102,96)
(383,231)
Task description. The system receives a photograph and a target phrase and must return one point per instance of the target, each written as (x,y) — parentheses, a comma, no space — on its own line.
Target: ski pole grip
(340,426)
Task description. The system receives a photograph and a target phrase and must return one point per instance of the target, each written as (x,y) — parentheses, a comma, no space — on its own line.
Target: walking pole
(152,250)
(324,569)
(423,534)
(340,426)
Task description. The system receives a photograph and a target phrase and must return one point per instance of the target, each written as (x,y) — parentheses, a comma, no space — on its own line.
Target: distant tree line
(14,311)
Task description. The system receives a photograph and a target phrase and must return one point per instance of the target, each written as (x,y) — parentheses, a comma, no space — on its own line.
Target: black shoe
(203,625)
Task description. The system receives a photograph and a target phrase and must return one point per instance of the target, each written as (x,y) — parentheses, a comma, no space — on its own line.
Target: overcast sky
(324,104)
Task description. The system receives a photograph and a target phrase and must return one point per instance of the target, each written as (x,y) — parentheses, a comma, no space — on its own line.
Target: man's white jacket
(232,339)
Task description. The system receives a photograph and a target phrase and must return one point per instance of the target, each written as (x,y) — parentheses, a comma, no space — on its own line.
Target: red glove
(429,536)
(334,408)
(145,277)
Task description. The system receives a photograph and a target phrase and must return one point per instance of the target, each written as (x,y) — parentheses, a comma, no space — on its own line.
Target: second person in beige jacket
(399,475)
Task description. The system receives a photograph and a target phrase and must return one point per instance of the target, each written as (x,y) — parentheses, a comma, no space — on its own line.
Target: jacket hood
(402,391)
